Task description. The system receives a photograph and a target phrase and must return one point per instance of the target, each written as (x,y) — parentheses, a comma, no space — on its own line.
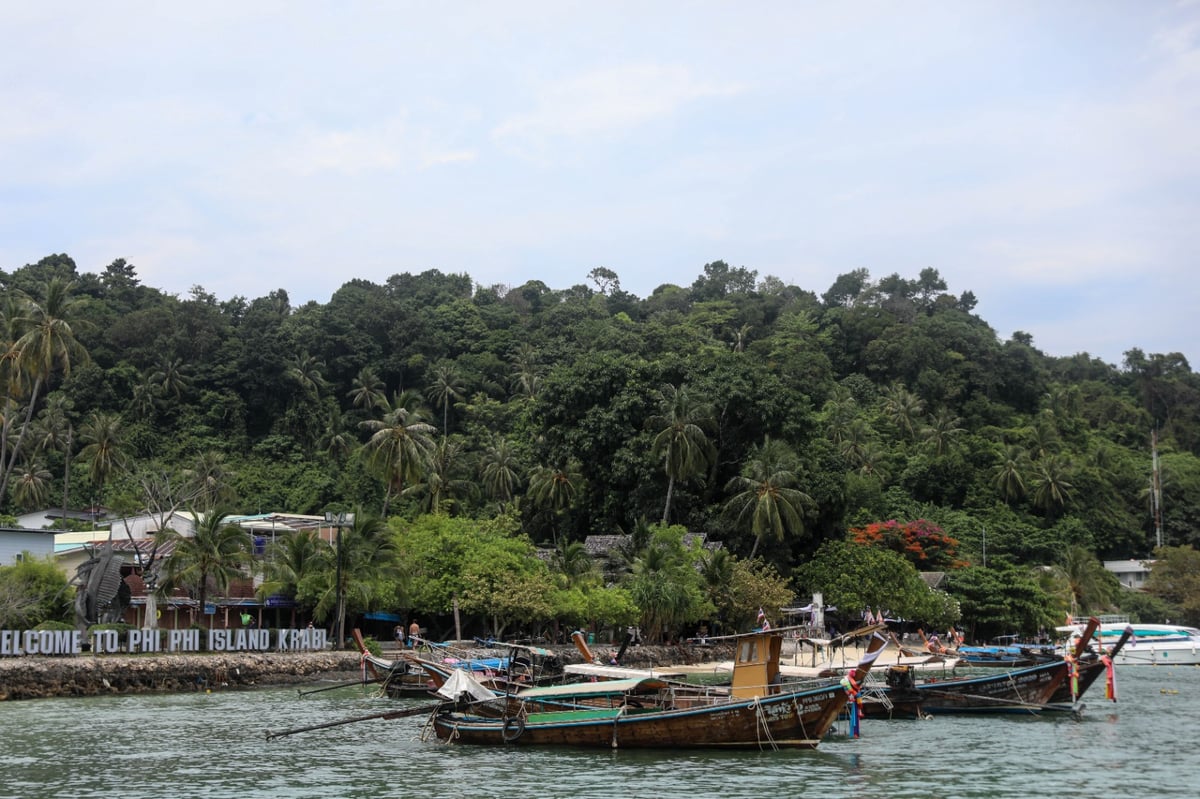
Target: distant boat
(1052,685)
(1149,644)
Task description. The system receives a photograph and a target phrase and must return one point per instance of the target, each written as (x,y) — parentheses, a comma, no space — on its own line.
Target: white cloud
(610,101)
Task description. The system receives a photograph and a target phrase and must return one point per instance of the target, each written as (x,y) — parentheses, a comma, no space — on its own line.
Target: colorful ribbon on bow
(854,703)
(1110,678)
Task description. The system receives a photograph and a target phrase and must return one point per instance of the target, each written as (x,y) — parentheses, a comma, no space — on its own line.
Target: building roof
(1128,566)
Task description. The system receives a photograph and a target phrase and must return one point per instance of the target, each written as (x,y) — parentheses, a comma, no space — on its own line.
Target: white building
(1132,573)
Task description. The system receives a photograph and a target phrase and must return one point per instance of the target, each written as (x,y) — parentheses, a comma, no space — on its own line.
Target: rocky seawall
(40,677)
(35,677)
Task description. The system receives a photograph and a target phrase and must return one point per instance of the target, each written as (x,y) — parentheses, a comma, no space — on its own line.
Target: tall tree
(1051,483)
(103,447)
(31,485)
(903,408)
(210,559)
(447,387)
(210,480)
(367,390)
(1009,476)
(290,560)
(554,490)
(681,442)
(399,448)
(943,430)
(500,470)
(766,494)
(47,344)
(54,432)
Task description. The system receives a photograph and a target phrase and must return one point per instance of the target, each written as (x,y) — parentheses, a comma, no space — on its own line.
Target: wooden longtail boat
(757,712)
(413,674)
(398,678)
(1047,686)
(1089,665)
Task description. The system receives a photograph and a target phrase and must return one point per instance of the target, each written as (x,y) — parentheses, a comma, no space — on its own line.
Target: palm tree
(103,452)
(32,486)
(1043,437)
(55,433)
(1051,483)
(145,396)
(664,586)
(554,489)
(681,442)
(500,470)
(363,551)
(47,343)
(1090,587)
(210,480)
(336,441)
(872,460)
(839,410)
(943,430)
(525,377)
(766,494)
(717,572)
(1009,477)
(903,408)
(571,559)
(367,390)
(441,488)
(856,439)
(306,370)
(399,448)
(208,560)
(168,379)
(290,559)
(447,387)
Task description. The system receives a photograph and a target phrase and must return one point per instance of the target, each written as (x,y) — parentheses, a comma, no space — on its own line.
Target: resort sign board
(17,643)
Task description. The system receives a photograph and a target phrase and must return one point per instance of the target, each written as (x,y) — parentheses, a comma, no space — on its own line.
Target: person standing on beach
(414,632)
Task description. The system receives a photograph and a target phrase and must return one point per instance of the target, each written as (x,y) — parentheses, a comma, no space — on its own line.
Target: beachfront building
(17,542)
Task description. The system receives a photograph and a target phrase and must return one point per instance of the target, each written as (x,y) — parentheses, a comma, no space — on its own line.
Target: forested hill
(587,409)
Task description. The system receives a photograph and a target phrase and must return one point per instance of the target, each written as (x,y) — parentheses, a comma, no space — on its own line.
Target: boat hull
(1163,653)
(1027,690)
(787,720)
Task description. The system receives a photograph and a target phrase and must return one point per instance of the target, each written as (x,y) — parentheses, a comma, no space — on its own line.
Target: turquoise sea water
(214,745)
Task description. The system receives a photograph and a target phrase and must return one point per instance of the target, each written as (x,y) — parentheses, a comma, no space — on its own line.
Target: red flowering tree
(921,542)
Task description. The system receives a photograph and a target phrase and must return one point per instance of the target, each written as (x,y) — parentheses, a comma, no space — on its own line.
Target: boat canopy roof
(617,672)
(600,688)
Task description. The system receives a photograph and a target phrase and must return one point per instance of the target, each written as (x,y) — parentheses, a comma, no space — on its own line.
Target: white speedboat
(1151,644)
(1155,644)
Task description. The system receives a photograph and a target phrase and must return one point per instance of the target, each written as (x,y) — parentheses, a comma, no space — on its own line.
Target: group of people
(414,635)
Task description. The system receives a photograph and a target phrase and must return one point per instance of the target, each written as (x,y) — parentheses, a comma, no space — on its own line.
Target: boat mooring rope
(762,727)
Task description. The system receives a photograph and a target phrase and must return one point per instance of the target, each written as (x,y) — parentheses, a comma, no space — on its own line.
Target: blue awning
(378,615)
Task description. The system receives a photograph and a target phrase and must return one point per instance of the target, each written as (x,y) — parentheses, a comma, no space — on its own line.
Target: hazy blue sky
(1044,155)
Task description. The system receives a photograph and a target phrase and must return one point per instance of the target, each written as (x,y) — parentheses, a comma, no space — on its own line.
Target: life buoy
(514,727)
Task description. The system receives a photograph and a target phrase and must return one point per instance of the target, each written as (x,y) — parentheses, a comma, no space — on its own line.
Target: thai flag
(761,616)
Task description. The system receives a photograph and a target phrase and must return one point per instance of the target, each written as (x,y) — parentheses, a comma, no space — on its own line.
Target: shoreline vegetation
(42,677)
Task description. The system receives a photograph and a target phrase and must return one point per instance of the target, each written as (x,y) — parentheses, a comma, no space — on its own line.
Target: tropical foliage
(770,417)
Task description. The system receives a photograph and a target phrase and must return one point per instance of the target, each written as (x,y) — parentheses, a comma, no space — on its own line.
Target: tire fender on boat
(514,727)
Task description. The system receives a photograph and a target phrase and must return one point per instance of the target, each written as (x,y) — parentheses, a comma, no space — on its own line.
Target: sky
(1043,155)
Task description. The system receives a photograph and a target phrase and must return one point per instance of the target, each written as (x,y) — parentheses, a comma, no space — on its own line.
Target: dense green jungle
(794,428)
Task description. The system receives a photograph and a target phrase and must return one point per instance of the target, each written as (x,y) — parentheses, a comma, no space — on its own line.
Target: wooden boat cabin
(756,665)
